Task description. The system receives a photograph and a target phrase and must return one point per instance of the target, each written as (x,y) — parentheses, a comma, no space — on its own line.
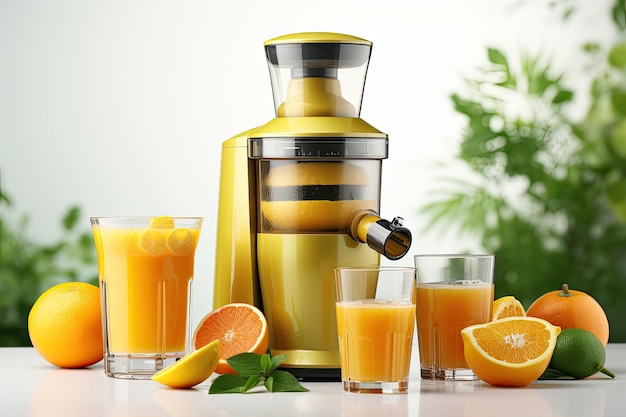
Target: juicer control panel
(318,147)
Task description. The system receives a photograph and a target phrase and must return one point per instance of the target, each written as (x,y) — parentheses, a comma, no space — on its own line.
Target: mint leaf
(252,382)
(246,364)
(227,383)
(283,381)
(266,363)
(276,361)
(254,370)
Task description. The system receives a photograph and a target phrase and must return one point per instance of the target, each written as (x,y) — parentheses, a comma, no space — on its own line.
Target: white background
(121,106)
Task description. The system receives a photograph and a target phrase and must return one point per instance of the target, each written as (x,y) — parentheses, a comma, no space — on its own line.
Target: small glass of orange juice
(375,321)
(453,292)
(145,268)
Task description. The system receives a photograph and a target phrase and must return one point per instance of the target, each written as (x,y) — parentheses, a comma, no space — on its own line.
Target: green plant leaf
(591,47)
(618,13)
(283,381)
(4,199)
(497,57)
(228,384)
(276,361)
(71,218)
(266,363)
(563,96)
(252,382)
(259,369)
(246,364)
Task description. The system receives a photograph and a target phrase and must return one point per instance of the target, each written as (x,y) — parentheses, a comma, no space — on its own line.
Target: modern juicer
(300,196)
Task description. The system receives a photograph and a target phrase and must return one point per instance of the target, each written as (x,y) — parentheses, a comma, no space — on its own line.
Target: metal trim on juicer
(318,147)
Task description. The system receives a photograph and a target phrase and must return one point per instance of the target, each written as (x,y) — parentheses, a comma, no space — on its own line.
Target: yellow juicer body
(280,253)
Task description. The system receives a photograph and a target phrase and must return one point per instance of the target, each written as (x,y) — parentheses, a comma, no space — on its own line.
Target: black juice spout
(389,238)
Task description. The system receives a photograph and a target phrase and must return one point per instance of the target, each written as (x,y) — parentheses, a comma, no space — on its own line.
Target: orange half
(512,351)
(239,327)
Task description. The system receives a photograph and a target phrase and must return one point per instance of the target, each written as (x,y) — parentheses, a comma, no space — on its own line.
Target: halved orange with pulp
(512,351)
(240,328)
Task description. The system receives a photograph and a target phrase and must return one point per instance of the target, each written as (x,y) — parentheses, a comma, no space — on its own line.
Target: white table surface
(31,387)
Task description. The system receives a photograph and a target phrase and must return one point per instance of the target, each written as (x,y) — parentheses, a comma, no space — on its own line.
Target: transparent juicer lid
(318,74)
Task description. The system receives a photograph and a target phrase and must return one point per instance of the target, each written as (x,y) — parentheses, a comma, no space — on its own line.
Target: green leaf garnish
(255,370)
(266,363)
(283,381)
(276,361)
(245,364)
(227,383)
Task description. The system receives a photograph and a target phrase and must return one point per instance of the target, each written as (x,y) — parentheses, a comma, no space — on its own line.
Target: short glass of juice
(375,310)
(453,292)
(145,268)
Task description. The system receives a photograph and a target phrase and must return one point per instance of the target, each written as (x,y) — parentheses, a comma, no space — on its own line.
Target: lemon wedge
(192,369)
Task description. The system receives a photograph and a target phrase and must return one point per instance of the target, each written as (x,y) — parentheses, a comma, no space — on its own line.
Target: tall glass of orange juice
(375,321)
(145,268)
(453,292)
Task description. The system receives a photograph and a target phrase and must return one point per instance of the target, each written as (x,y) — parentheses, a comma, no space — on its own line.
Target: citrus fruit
(152,241)
(569,308)
(513,351)
(579,354)
(507,306)
(239,327)
(192,369)
(180,241)
(65,325)
(162,222)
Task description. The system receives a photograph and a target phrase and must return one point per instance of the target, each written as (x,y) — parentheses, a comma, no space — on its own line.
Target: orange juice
(375,339)
(145,276)
(443,310)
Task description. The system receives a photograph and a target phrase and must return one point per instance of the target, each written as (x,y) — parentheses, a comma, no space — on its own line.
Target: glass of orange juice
(375,311)
(453,292)
(145,268)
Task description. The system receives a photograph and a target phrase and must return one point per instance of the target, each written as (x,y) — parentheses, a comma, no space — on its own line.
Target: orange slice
(180,241)
(152,241)
(239,327)
(513,351)
(507,306)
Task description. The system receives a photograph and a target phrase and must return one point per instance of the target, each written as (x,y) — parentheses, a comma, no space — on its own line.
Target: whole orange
(65,325)
(572,309)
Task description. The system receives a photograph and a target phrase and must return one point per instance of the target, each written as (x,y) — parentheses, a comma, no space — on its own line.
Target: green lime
(579,354)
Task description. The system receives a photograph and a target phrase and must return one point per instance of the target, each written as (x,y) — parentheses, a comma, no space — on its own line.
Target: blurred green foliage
(28,268)
(545,192)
